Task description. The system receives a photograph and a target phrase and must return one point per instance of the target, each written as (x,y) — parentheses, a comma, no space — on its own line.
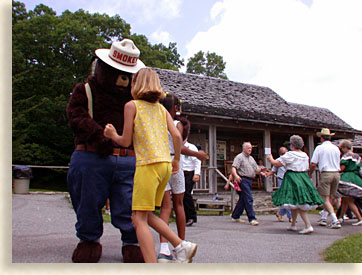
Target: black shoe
(189,222)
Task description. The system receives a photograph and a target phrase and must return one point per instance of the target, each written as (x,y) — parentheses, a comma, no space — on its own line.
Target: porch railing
(203,183)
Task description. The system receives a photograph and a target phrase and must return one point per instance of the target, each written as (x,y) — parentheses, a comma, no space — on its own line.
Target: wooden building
(357,144)
(224,114)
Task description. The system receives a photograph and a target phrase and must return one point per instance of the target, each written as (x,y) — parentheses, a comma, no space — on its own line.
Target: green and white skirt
(297,192)
(350,184)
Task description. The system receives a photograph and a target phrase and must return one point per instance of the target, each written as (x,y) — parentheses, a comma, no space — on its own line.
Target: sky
(307,51)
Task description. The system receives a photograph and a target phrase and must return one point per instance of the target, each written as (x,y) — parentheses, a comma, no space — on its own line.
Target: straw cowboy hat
(123,56)
(325,132)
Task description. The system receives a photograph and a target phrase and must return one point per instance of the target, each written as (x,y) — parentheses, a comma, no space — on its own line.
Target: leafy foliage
(209,64)
(158,56)
(50,55)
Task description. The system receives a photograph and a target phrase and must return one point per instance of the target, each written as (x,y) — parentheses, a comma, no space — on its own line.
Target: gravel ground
(43,232)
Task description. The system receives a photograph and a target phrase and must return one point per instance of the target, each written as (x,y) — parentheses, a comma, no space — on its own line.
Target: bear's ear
(122,80)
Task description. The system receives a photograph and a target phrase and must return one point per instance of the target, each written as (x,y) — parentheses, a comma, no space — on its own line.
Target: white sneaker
(166,259)
(237,220)
(322,222)
(306,230)
(185,253)
(292,228)
(322,212)
(345,217)
(334,225)
(357,223)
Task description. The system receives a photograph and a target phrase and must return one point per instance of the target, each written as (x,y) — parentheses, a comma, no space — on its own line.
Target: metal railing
(232,187)
(203,185)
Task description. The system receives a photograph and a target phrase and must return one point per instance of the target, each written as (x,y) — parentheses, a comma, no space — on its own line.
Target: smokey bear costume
(99,168)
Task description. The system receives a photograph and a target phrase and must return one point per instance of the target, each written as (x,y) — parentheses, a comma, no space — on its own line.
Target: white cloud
(310,55)
(161,36)
(216,9)
(144,11)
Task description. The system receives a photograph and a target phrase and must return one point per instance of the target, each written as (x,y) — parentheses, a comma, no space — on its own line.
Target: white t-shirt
(170,145)
(327,156)
(191,163)
(295,161)
(170,141)
(279,170)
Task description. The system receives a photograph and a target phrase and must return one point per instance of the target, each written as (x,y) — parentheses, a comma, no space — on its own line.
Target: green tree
(158,55)
(19,12)
(197,64)
(51,54)
(209,64)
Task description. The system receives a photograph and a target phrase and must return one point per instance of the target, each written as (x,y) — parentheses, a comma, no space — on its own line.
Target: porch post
(212,160)
(311,150)
(267,144)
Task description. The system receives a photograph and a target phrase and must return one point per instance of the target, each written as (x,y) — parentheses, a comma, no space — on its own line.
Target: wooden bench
(202,205)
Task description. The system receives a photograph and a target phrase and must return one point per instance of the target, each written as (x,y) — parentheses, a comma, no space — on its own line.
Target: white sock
(164,249)
(325,214)
(179,246)
(334,217)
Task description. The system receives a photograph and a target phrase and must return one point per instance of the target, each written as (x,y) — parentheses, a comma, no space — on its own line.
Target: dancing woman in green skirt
(297,191)
(350,185)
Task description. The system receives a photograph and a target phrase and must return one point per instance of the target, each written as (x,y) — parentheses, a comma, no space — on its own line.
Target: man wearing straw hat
(327,157)
(100,169)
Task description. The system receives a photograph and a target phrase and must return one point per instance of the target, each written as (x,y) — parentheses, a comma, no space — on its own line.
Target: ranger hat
(123,56)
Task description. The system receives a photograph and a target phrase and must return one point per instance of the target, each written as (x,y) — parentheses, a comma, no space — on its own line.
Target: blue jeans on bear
(245,200)
(283,211)
(91,180)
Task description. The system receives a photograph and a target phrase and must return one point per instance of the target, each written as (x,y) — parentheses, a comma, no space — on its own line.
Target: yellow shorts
(149,185)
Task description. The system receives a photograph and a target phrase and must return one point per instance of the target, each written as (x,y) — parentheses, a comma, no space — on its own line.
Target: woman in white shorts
(176,184)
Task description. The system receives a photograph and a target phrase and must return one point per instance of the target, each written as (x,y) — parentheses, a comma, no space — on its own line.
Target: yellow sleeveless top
(150,138)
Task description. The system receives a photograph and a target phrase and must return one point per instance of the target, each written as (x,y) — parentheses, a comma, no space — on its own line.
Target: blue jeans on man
(245,200)
(91,180)
(283,211)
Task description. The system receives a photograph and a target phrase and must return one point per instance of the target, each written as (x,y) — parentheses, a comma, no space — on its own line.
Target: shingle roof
(357,142)
(320,116)
(214,96)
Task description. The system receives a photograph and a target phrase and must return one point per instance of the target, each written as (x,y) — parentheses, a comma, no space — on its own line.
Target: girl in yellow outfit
(146,122)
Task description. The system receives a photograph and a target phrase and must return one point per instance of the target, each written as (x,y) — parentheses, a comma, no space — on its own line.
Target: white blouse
(295,161)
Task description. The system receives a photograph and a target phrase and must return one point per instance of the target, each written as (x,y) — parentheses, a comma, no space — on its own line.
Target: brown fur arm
(84,127)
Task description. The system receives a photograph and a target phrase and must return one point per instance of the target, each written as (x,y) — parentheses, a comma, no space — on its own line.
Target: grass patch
(347,250)
(107,218)
(172,218)
(45,190)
